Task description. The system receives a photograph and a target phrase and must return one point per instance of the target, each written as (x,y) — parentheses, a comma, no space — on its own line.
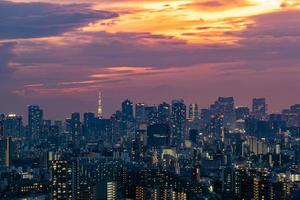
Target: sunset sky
(60,53)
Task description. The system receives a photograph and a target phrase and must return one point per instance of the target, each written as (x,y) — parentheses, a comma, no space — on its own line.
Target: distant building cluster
(172,151)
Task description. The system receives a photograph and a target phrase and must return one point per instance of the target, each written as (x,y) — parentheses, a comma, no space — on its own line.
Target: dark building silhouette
(158,135)
(259,108)
(178,121)
(35,121)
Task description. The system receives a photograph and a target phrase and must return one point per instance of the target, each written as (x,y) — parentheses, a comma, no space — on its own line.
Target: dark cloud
(277,25)
(30,20)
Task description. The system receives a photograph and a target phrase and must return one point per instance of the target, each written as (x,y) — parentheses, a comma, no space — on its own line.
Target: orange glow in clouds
(185,19)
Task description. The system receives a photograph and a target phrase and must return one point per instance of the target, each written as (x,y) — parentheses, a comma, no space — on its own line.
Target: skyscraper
(88,124)
(2,117)
(127,109)
(100,108)
(75,124)
(158,135)
(106,190)
(193,112)
(241,113)
(151,114)
(12,125)
(164,112)
(128,119)
(259,108)
(35,121)
(61,179)
(178,121)
(225,109)
(140,113)
(8,152)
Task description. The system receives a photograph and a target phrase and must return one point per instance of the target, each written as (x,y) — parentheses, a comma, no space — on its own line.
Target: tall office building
(88,124)
(59,125)
(61,180)
(35,121)
(128,119)
(241,113)
(127,109)
(193,112)
(223,105)
(75,124)
(140,193)
(178,121)
(12,125)
(158,135)
(106,190)
(224,108)
(151,114)
(6,152)
(2,117)
(140,113)
(2,151)
(100,108)
(259,108)
(164,113)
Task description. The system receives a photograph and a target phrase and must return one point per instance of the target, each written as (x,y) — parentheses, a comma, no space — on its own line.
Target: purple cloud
(32,20)
(266,55)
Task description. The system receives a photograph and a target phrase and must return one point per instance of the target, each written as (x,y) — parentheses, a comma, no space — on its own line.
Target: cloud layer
(65,53)
(30,20)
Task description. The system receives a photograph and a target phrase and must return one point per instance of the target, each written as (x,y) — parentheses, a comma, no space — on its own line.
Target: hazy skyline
(59,54)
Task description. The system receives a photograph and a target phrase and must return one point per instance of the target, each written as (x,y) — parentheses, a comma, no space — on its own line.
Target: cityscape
(170,151)
(149,100)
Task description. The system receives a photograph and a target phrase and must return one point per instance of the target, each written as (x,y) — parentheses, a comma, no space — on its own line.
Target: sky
(60,53)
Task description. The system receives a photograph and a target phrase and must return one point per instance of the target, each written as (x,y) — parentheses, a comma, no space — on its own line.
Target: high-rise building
(100,108)
(88,124)
(59,125)
(61,180)
(2,151)
(46,126)
(241,113)
(164,113)
(244,183)
(158,135)
(259,108)
(12,125)
(205,116)
(140,113)
(127,109)
(224,108)
(140,193)
(2,117)
(35,121)
(6,152)
(263,187)
(128,119)
(223,105)
(106,190)
(75,124)
(193,112)
(151,115)
(178,121)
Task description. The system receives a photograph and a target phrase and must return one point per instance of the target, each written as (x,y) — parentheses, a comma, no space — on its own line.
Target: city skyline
(107,112)
(143,49)
(150,99)
(192,108)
